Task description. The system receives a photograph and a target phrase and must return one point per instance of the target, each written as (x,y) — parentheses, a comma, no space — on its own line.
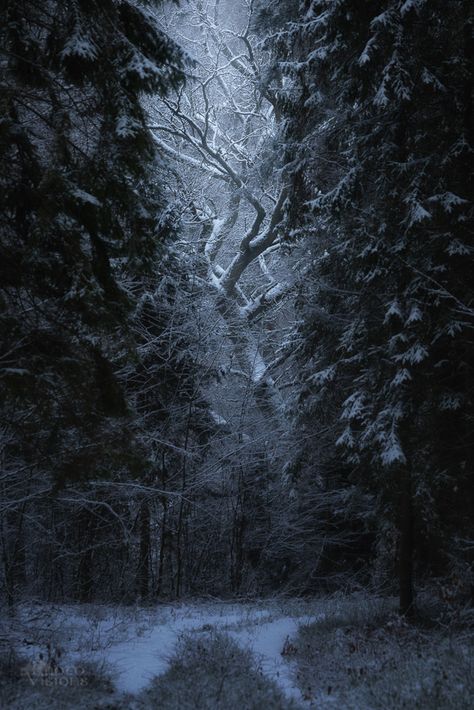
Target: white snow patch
(393,310)
(448,200)
(86,197)
(266,641)
(411,5)
(217,418)
(127,126)
(415,315)
(214,236)
(80,45)
(393,453)
(258,368)
(418,214)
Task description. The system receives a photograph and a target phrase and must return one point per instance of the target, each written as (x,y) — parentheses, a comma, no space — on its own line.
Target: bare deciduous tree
(220,132)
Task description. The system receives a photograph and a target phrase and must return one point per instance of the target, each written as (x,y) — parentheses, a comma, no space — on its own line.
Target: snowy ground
(266,633)
(349,653)
(136,645)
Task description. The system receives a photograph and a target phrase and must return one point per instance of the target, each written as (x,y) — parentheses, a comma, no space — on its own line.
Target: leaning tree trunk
(249,360)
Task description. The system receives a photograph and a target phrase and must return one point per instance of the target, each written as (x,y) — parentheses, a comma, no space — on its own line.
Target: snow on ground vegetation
(339,652)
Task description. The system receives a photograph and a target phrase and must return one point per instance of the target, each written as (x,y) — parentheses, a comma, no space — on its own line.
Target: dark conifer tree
(76,229)
(382,98)
(82,221)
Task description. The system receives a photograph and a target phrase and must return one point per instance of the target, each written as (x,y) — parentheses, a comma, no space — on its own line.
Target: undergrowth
(45,684)
(366,656)
(210,672)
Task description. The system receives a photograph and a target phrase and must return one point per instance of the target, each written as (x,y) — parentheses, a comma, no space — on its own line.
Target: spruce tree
(77,229)
(83,218)
(382,100)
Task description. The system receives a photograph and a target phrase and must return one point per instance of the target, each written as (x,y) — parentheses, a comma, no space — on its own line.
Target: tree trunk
(88,526)
(405,575)
(143,576)
(182,511)
(238,535)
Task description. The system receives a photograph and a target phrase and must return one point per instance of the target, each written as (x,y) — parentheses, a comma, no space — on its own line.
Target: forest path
(132,645)
(350,651)
(265,632)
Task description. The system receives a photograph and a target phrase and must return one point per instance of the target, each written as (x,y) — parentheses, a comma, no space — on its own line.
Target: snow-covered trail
(137,644)
(263,632)
(266,641)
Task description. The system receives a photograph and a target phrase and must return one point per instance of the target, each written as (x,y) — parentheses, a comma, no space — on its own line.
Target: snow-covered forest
(237,353)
